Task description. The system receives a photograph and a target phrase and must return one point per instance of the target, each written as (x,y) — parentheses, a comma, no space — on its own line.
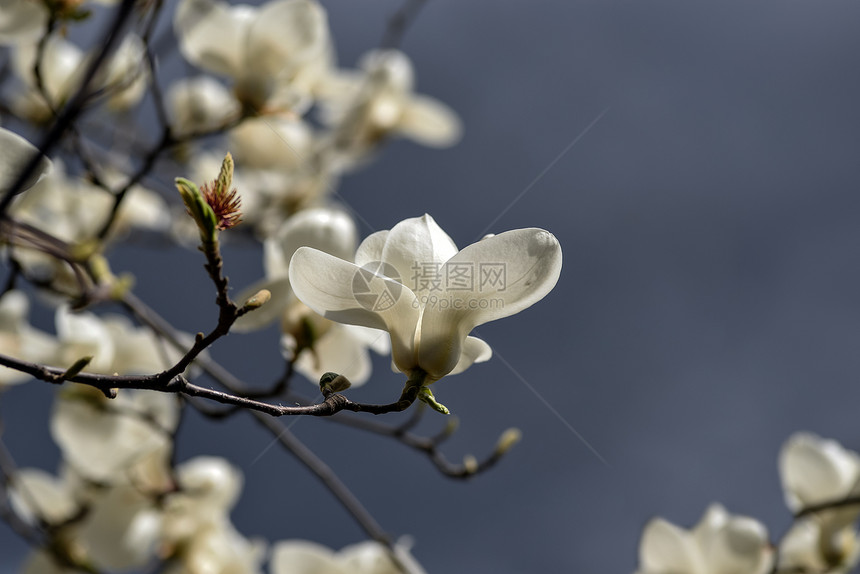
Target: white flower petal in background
(21,21)
(720,544)
(271,142)
(304,557)
(18,339)
(38,496)
(430,122)
(17,153)
(120,530)
(199,104)
(211,34)
(815,470)
(103,439)
(61,69)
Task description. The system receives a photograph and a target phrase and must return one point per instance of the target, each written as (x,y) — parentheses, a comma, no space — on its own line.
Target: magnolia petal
(371,557)
(270,311)
(740,545)
(337,351)
(333,287)
(814,470)
(666,548)
(212,481)
(36,495)
(121,529)
(389,68)
(271,142)
(285,34)
(329,230)
(303,557)
(17,153)
(85,334)
(370,250)
(474,350)
(21,20)
(212,34)
(199,104)
(430,122)
(526,263)
(416,248)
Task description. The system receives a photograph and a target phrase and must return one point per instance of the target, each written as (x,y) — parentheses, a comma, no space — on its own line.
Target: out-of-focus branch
(75,105)
(399,23)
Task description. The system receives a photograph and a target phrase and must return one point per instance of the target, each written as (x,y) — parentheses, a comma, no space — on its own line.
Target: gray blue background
(708,306)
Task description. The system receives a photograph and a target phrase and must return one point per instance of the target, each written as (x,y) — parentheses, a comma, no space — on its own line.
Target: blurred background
(699,163)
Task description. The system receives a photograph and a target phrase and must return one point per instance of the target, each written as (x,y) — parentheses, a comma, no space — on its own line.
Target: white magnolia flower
(265,49)
(123,77)
(816,471)
(199,104)
(18,339)
(121,528)
(414,283)
(208,489)
(365,109)
(17,153)
(720,544)
(302,557)
(317,345)
(73,209)
(109,440)
(114,343)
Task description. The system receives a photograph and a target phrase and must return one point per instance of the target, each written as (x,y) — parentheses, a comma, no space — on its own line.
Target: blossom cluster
(267,91)
(821,481)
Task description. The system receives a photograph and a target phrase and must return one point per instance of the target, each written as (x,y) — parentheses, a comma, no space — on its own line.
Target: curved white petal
(212,481)
(666,548)
(430,122)
(337,351)
(416,248)
(390,68)
(346,293)
(370,250)
(509,272)
(120,530)
(85,334)
(741,545)
(303,557)
(271,142)
(814,470)
(199,104)
(212,34)
(285,33)
(474,350)
(36,495)
(17,153)
(329,230)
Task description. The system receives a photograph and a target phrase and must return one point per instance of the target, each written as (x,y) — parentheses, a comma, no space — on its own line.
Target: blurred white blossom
(721,543)
(816,471)
(266,50)
(303,557)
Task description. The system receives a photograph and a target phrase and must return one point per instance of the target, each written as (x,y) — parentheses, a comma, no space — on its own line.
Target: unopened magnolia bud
(333,383)
(508,439)
(470,464)
(258,300)
(426,395)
